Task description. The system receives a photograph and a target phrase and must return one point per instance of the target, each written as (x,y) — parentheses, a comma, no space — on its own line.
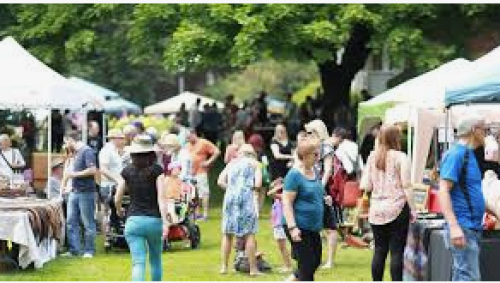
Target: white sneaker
(67,254)
(87,255)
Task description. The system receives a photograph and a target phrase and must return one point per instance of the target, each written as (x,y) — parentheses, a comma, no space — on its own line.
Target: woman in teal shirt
(303,204)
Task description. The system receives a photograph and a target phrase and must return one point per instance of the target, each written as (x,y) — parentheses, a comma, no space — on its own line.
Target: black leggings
(307,253)
(391,236)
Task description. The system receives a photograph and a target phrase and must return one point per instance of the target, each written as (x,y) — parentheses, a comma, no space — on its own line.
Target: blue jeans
(81,206)
(144,233)
(465,260)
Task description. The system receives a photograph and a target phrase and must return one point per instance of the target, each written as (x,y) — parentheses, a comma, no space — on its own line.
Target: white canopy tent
(173,104)
(27,83)
(426,90)
(34,85)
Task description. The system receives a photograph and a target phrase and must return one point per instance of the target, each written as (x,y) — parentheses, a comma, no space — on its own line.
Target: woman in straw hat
(171,146)
(239,215)
(144,226)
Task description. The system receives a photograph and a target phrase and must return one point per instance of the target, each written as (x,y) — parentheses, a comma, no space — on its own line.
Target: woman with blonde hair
(303,206)
(232,149)
(239,215)
(387,175)
(318,130)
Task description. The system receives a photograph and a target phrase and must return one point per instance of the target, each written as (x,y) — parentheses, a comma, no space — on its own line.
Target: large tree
(137,48)
(339,38)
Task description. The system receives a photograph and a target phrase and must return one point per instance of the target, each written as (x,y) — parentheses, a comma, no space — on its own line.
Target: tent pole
(49,149)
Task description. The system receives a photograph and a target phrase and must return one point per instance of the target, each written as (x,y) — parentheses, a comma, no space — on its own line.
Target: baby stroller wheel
(195,236)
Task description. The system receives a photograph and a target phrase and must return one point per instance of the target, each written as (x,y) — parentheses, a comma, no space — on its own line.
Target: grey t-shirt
(85,158)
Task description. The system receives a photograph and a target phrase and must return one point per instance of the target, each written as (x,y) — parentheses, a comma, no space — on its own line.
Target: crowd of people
(303,168)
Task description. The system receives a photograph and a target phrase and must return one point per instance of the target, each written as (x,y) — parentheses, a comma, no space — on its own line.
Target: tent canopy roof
(173,104)
(34,84)
(118,105)
(478,84)
(94,88)
(427,89)
(113,102)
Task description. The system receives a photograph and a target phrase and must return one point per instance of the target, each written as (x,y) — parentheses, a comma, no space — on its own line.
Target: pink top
(388,197)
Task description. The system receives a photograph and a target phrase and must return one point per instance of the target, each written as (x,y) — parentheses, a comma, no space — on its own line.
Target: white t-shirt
(13,156)
(348,153)
(114,162)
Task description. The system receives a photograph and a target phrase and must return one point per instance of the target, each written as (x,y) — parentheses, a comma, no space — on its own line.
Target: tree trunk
(336,78)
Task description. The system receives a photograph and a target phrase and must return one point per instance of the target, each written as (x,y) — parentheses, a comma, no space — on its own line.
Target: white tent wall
(421,124)
(426,121)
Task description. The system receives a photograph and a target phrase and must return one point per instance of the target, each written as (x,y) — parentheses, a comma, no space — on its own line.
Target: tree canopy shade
(338,37)
(137,49)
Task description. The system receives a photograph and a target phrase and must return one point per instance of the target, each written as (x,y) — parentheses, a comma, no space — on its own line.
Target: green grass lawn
(195,265)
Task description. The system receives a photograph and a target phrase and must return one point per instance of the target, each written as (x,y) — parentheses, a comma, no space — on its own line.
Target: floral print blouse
(388,197)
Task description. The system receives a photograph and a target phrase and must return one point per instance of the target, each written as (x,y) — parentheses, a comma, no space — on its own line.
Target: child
(276,219)
(176,190)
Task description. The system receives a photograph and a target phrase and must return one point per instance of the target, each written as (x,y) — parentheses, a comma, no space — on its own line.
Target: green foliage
(277,78)
(159,123)
(139,49)
(310,89)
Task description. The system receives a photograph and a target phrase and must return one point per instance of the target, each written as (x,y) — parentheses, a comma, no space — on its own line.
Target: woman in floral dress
(239,214)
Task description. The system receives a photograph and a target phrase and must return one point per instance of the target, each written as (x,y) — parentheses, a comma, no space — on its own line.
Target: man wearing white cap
(461,199)
(111,166)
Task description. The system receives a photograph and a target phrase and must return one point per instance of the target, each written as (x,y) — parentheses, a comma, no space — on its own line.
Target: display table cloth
(15,226)
(417,246)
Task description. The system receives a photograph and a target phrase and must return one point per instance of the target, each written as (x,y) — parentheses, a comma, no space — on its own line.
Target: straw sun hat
(115,134)
(170,140)
(141,144)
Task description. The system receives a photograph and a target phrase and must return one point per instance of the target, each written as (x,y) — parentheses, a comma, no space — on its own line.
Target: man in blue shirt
(461,199)
(81,200)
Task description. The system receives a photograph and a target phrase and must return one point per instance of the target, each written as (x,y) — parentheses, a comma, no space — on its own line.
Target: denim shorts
(465,261)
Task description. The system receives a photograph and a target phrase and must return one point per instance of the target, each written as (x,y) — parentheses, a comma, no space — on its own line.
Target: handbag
(351,194)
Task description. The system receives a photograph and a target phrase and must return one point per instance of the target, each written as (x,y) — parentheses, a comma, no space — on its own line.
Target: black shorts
(332,217)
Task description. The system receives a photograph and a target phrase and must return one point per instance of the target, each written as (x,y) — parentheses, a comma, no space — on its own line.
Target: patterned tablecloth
(15,226)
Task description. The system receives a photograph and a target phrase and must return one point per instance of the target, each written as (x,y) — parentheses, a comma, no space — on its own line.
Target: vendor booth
(31,229)
(476,90)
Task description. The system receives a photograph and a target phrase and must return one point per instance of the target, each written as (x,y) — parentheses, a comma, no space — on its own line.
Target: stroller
(115,236)
(185,228)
